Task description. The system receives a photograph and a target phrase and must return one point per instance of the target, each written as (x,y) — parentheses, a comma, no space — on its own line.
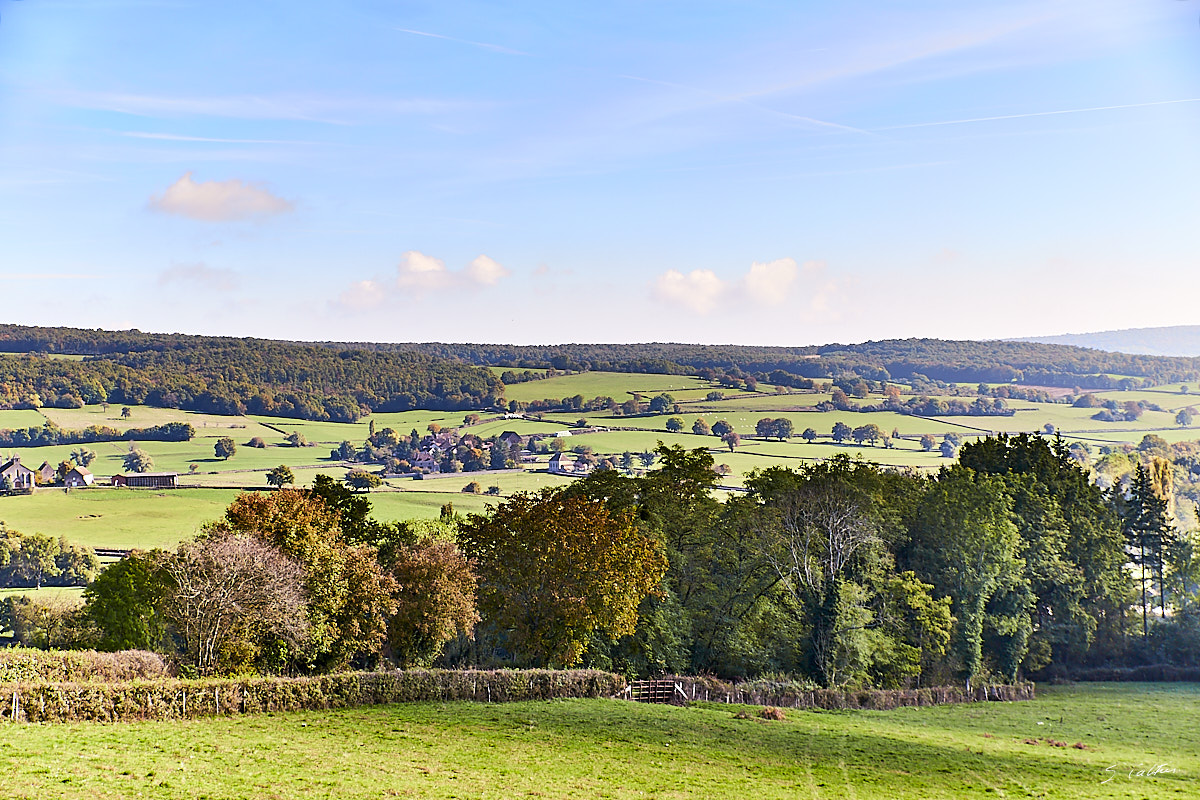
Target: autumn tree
(349,597)
(231,595)
(700,427)
(555,568)
(435,600)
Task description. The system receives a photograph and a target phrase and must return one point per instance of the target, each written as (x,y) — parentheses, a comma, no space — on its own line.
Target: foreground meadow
(617,749)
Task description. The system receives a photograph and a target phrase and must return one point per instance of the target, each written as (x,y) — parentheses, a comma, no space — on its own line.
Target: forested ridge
(901,359)
(342,381)
(226,375)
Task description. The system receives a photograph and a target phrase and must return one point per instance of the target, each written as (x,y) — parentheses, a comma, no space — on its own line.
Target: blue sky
(752,172)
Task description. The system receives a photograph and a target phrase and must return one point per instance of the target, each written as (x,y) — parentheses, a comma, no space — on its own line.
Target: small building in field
(146,480)
(78,478)
(16,474)
(569,464)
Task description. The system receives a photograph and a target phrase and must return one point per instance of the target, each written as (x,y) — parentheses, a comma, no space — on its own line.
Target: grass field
(618,749)
(123,522)
(617,385)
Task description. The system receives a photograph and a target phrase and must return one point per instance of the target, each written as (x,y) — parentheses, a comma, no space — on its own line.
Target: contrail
(493,47)
(1039,114)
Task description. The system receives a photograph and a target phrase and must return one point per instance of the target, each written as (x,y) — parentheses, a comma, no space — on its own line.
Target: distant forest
(894,359)
(225,375)
(343,381)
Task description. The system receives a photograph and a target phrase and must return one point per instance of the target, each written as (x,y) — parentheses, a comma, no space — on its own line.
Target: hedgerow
(165,699)
(27,665)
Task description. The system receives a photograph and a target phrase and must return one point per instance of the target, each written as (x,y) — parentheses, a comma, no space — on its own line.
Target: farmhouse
(569,464)
(146,480)
(510,438)
(78,478)
(14,471)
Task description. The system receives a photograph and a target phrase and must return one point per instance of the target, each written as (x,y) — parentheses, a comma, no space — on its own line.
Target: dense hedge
(27,665)
(792,695)
(1150,673)
(180,699)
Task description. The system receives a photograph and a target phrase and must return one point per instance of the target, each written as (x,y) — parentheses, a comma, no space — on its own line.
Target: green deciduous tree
(126,602)
(225,448)
(281,476)
(138,460)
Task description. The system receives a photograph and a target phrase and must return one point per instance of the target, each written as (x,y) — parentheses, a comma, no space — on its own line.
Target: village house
(568,464)
(45,473)
(510,438)
(15,474)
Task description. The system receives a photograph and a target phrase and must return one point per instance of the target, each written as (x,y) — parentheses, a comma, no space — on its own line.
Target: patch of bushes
(180,699)
(26,665)
(1149,673)
(801,694)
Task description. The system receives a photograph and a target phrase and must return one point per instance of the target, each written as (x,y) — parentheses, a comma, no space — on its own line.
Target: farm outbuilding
(78,478)
(146,480)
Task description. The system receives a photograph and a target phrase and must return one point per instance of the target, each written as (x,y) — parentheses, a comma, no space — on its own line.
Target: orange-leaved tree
(554,568)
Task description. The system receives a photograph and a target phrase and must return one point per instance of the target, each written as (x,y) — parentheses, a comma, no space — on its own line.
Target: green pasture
(617,385)
(19,419)
(117,518)
(1087,742)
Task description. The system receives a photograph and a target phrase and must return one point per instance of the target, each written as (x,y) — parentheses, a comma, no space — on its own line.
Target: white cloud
(199,276)
(419,271)
(770,282)
(486,271)
(218,201)
(698,291)
(362,295)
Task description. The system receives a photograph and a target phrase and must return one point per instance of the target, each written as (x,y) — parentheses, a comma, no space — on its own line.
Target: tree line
(1008,564)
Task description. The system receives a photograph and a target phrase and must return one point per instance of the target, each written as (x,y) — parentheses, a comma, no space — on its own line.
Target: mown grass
(617,749)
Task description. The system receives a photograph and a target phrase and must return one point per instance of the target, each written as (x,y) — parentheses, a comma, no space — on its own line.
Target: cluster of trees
(33,560)
(455,453)
(306,581)
(50,434)
(1008,563)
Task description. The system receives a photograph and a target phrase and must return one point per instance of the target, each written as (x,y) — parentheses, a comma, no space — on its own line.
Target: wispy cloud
(175,137)
(495,48)
(199,276)
(287,107)
(218,201)
(1032,114)
(47,276)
